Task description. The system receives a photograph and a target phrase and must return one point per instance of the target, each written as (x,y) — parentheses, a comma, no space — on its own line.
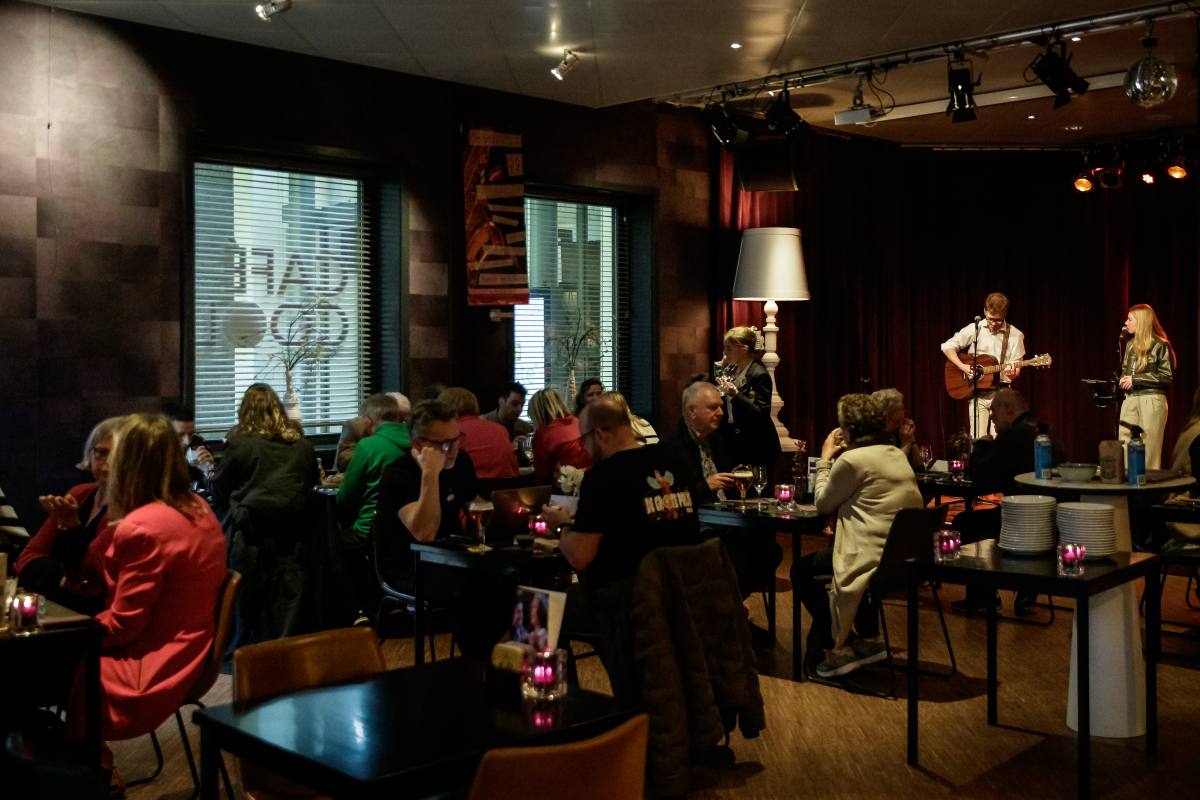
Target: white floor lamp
(771,268)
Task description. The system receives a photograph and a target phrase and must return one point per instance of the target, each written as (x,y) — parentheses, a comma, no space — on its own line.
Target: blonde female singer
(1146,373)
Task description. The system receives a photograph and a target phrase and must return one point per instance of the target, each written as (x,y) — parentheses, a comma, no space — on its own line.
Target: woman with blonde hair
(261,489)
(555,436)
(1146,373)
(746,386)
(164,569)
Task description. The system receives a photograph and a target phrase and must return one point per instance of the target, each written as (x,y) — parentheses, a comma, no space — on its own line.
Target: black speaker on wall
(768,165)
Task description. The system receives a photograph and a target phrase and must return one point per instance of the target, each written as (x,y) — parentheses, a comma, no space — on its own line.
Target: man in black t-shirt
(633,499)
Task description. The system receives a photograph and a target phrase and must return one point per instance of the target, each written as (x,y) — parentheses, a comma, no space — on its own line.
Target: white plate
(1028,500)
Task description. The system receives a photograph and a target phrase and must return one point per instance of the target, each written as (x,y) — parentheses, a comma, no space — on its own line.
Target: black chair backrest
(911,536)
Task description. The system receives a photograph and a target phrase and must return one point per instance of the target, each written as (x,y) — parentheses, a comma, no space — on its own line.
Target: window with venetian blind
(282,274)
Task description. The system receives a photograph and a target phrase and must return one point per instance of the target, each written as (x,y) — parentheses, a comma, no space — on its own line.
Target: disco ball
(1150,82)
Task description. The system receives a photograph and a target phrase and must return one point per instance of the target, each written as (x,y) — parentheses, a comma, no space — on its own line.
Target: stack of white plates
(1027,523)
(1088,524)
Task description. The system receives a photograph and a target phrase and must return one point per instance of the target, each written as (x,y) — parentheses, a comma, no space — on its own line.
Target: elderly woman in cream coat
(866,485)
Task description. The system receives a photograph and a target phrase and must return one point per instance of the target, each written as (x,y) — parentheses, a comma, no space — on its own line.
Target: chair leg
(158,766)
(887,645)
(187,751)
(937,601)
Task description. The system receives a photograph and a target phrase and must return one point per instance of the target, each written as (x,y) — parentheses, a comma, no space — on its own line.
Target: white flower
(569,479)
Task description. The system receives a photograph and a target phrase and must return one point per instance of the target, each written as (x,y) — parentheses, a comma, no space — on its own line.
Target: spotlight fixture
(1084,181)
(1150,81)
(780,117)
(962,83)
(270,8)
(1177,168)
(1053,68)
(1147,177)
(1111,175)
(724,128)
(569,60)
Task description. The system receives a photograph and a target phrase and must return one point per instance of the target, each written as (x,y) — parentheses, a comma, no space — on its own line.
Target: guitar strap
(1003,353)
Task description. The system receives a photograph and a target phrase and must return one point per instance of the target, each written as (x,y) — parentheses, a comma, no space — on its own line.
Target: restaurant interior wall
(902,246)
(99,120)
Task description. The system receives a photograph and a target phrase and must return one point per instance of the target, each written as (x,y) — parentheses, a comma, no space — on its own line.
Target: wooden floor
(826,742)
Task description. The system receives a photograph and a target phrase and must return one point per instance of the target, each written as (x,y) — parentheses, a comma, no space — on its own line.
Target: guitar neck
(998,367)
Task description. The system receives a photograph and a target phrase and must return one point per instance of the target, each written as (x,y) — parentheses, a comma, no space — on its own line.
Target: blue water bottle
(1042,457)
(1137,460)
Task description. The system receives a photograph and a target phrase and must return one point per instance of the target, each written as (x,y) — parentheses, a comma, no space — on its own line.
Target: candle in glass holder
(785,493)
(956,465)
(544,676)
(23,614)
(1070,559)
(538,525)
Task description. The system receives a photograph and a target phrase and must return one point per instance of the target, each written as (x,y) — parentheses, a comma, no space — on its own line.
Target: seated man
(755,557)
(487,442)
(359,428)
(902,429)
(199,458)
(424,496)
(634,499)
(358,493)
(508,412)
(993,465)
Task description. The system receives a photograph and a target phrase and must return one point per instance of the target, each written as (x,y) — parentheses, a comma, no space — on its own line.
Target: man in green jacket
(359,492)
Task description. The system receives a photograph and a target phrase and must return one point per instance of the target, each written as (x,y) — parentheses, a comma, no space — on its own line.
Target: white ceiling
(630,49)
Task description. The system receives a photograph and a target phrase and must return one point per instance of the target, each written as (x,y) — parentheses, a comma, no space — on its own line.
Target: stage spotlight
(569,60)
(1177,167)
(270,8)
(724,128)
(780,117)
(1111,176)
(961,83)
(1147,177)
(1084,181)
(1053,68)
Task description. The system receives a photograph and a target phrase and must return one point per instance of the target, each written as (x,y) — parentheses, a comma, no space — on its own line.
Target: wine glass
(925,452)
(742,476)
(480,512)
(760,481)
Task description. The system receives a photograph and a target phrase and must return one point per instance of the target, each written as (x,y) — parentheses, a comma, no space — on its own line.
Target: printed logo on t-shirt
(668,502)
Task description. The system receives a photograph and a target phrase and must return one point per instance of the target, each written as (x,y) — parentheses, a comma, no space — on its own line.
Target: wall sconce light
(569,60)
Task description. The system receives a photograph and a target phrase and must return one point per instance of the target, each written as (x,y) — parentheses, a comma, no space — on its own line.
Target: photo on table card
(537,617)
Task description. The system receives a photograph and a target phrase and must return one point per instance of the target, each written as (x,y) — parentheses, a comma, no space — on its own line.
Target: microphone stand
(975,381)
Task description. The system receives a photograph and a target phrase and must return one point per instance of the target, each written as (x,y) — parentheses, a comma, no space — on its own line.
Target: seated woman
(164,568)
(261,490)
(555,436)
(868,483)
(65,559)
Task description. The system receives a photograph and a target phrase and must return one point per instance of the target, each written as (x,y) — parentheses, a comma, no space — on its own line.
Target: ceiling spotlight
(962,83)
(735,45)
(1147,177)
(569,60)
(1150,81)
(724,128)
(1177,168)
(270,8)
(780,117)
(1053,68)
(1084,181)
(1111,176)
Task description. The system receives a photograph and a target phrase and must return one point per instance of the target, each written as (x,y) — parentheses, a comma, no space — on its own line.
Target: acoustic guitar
(988,370)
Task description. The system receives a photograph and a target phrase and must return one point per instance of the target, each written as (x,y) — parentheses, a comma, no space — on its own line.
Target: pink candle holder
(947,543)
(785,493)
(538,525)
(544,675)
(25,614)
(1071,558)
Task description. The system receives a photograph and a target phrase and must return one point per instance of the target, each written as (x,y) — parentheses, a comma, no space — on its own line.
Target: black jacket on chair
(751,436)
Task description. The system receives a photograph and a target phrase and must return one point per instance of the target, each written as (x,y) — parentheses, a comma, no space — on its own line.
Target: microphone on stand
(1124,332)
(978,319)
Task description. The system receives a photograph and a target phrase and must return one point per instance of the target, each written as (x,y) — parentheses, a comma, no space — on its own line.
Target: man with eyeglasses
(996,338)
(424,496)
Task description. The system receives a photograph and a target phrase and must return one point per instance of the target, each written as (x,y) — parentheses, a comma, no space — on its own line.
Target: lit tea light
(784,492)
(956,465)
(538,525)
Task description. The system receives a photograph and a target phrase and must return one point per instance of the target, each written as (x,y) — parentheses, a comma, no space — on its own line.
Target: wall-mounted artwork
(494,209)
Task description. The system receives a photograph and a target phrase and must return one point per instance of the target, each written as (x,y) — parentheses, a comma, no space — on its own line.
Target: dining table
(985,566)
(406,733)
(767,518)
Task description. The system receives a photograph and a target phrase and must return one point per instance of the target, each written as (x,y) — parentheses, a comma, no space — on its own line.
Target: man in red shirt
(488,443)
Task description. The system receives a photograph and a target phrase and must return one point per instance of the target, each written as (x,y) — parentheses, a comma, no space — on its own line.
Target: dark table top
(802,519)
(408,732)
(985,562)
(60,625)
(454,551)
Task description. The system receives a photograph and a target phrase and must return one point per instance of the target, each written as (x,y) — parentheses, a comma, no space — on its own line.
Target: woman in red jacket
(164,569)
(65,558)
(555,436)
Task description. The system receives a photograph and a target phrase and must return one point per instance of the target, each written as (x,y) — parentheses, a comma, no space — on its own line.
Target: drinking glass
(742,476)
(760,482)
(925,453)
(480,512)
(544,675)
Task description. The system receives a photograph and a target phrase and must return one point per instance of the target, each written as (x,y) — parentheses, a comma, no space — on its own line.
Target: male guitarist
(996,338)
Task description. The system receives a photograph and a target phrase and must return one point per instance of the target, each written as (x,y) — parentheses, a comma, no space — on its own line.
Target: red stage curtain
(901,248)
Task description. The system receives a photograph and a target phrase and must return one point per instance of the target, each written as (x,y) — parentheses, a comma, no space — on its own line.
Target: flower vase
(571,387)
(292,401)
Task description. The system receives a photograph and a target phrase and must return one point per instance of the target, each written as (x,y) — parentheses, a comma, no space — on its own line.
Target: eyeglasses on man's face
(445,445)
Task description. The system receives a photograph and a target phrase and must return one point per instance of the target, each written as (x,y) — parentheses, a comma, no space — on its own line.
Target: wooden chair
(226,604)
(611,766)
(266,670)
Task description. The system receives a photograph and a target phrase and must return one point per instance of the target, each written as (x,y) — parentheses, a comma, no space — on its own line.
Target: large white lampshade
(771,268)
